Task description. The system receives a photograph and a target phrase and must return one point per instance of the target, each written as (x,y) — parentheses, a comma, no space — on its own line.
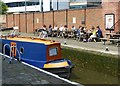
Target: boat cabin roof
(30,39)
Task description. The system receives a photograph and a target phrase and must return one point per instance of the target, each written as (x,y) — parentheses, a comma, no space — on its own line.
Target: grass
(93,61)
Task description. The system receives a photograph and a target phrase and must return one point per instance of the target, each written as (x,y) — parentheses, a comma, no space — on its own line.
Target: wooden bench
(117,36)
(95,39)
(117,41)
(104,40)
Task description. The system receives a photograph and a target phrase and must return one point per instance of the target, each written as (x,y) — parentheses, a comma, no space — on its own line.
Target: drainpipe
(25,16)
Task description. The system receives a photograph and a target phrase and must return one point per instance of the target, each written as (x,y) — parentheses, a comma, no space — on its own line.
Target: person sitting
(82,34)
(55,31)
(78,33)
(99,32)
(64,33)
(43,32)
(73,28)
(60,30)
(94,34)
(55,28)
(44,27)
(50,31)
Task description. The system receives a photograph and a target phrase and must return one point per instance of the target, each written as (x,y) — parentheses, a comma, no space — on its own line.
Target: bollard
(106,49)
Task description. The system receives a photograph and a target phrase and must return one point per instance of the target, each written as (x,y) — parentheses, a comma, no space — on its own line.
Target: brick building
(86,17)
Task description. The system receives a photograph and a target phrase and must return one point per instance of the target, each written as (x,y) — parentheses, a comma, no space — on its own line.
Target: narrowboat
(42,53)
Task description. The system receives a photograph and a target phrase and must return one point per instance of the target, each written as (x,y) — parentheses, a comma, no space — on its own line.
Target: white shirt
(55,28)
(61,28)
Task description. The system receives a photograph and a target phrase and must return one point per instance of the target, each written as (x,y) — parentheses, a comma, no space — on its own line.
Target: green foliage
(3,8)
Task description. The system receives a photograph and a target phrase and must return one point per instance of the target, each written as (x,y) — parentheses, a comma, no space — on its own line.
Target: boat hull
(62,68)
(62,72)
(45,55)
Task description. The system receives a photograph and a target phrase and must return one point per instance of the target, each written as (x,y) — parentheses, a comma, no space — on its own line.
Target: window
(21,50)
(28,3)
(78,7)
(78,0)
(22,4)
(53,51)
(19,4)
(37,3)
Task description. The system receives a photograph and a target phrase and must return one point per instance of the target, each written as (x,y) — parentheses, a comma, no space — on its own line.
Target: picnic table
(116,36)
(117,41)
(108,35)
(104,40)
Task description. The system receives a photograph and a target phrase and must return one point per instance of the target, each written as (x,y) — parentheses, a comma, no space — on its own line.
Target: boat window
(53,51)
(21,50)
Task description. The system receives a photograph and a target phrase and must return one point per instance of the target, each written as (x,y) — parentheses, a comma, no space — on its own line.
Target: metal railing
(11,52)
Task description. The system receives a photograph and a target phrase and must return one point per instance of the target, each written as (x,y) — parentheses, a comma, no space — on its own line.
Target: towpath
(90,46)
(20,73)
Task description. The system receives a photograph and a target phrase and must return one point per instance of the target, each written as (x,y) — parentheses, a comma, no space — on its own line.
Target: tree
(3,8)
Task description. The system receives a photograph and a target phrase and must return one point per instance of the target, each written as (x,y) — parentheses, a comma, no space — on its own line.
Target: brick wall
(92,17)
(30,22)
(75,17)
(59,18)
(111,7)
(48,18)
(3,20)
(23,23)
(9,21)
(16,19)
(38,20)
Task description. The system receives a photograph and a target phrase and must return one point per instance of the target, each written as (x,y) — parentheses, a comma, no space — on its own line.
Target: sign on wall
(74,20)
(109,21)
(37,20)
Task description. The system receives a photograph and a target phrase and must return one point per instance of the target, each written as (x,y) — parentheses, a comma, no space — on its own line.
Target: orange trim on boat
(58,56)
(56,65)
(13,44)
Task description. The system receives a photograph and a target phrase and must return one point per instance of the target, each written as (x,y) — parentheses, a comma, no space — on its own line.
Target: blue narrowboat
(42,53)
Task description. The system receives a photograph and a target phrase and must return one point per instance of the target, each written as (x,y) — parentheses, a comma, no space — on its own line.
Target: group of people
(81,33)
(84,34)
(96,33)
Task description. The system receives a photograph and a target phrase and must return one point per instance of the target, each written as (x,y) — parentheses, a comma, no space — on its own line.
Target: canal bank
(89,46)
(89,69)
(92,68)
(93,64)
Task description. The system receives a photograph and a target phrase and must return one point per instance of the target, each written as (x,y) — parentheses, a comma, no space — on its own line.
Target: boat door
(13,49)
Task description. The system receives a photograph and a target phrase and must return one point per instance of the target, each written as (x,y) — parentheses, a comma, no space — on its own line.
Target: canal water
(92,67)
(86,76)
